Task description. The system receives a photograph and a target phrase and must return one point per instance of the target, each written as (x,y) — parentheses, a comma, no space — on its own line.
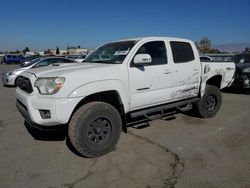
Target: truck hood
(64,68)
(78,74)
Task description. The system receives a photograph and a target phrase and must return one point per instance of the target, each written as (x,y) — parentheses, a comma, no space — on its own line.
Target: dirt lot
(179,152)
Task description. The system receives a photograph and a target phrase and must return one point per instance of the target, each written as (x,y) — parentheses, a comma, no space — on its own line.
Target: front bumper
(8,80)
(30,104)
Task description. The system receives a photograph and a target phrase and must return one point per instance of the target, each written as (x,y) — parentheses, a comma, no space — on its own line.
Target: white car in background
(9,78)
(77,58)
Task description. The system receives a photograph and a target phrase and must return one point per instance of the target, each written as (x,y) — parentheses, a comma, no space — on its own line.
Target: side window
(182,52)
(54,60)
(65,61)
(157,51)
(42,63)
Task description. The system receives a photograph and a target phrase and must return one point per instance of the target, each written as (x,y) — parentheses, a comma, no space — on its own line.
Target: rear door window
(182,52)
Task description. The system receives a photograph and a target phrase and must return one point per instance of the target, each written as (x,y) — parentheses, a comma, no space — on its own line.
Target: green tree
(26,49)
(78,46)
(16,52)
(57,50)
(205,46)
(48,51)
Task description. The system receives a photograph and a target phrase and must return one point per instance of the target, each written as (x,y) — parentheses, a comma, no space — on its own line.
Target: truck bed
(225,69)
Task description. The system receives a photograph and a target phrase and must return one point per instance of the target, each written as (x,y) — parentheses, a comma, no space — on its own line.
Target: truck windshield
(111,53)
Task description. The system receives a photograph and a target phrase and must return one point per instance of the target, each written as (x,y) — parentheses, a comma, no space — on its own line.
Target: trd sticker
(123,52)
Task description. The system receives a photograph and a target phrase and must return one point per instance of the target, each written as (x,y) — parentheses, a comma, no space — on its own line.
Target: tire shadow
(234,90)
(59,134)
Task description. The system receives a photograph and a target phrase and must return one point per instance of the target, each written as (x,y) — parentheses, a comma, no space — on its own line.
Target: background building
(77,51)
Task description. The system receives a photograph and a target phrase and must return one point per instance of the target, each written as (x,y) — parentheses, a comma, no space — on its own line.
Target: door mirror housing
(142,59)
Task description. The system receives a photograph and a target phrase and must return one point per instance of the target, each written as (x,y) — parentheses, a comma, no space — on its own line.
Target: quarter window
(182,52)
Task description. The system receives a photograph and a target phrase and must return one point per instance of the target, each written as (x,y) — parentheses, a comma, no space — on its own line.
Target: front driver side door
(149,84)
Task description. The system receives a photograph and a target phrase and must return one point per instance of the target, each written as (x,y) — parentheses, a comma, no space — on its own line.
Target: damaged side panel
(224,69)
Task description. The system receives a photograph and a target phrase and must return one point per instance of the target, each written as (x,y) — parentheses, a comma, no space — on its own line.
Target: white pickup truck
(121,80)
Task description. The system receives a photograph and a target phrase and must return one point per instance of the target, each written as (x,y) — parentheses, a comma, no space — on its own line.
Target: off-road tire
(203,108)
(103,117)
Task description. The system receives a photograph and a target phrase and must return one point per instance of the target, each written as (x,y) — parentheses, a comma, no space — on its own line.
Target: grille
(24,84)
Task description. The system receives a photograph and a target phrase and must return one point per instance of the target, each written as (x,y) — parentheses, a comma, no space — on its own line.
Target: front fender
(101,86)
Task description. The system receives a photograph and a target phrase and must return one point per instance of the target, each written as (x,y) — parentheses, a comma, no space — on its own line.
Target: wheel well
(111,97)
(215,81)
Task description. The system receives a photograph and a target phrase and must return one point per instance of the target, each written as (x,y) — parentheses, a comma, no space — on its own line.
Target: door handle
(195,69)
(167,71)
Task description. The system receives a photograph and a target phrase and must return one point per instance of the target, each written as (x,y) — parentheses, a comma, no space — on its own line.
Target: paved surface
(182,152)
(5,68)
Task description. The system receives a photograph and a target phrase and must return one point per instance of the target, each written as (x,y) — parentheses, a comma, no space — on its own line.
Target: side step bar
(146,111)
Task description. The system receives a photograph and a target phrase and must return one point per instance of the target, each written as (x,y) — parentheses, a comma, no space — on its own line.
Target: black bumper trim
(24,112)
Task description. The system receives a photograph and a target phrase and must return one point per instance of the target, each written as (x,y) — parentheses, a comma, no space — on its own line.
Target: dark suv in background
(13,59)
(242,74)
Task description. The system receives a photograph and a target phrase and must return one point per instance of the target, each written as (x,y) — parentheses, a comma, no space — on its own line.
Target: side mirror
(141,59)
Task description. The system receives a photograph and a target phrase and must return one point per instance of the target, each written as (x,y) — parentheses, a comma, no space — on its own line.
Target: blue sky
(46,24)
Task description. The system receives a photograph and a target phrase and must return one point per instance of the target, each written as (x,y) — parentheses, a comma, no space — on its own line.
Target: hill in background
(235,47)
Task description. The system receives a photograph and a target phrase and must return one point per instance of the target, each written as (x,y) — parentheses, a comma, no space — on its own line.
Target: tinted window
(43,63)
(65,60)
(182,52)
(32,62)
(61,60)
(242,58)
(156,50)
(55,60)
(205,59)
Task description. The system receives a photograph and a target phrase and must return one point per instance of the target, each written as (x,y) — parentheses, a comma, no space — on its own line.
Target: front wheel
(210,103)
(95,128)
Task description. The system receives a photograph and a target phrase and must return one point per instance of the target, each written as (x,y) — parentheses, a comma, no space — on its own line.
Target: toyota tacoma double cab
(121,80)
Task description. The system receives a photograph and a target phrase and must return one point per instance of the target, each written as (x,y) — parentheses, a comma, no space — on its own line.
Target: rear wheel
(95,128)
(210,103)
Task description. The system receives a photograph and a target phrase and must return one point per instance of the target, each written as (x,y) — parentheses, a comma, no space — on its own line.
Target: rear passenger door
(186,70)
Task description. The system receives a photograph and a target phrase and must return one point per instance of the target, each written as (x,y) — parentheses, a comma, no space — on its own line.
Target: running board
(147,111)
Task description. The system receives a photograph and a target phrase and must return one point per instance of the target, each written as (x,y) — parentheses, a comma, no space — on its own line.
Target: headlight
(11,73)
(49,86)
(246,70)
(14,73)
